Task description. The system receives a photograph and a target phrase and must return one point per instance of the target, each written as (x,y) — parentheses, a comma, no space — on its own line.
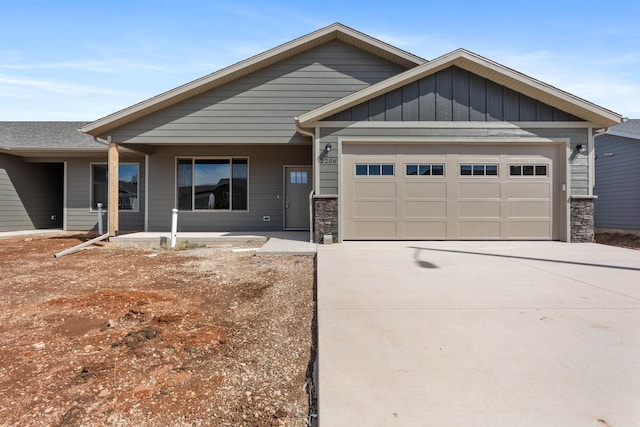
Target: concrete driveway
(478,334)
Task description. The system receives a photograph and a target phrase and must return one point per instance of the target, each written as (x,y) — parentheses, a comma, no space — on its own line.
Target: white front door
(297,186)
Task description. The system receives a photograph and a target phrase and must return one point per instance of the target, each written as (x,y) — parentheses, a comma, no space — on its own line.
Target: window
(528,170)
(479,170)
(212,184)
(298,177)
(375,169)
(127,186)
(424,169)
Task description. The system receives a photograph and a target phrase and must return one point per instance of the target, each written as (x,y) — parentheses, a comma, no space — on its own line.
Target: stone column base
(582,222)
(325,218)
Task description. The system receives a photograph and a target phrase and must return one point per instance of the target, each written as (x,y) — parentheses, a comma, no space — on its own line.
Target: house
(356,139)
(617,208)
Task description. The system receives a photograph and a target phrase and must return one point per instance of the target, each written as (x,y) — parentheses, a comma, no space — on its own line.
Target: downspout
(313,166)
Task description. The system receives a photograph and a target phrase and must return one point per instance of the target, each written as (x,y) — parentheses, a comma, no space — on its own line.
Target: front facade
(355,139)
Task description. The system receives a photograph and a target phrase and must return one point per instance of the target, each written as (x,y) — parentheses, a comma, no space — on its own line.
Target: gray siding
(329,170)
(30,193)
(617,183)
(453,94)
(266,173)
(79,213)
(259,108)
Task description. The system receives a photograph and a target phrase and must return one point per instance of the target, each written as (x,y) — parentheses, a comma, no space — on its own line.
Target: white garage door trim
(559,204)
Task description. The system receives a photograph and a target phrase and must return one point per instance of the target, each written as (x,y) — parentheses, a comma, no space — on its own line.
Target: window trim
(534,165)
(106,208)
(368,164)
(483,176)
(430,176)
(209,211)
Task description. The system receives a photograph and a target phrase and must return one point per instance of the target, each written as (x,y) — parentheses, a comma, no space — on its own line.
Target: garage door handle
(286,204)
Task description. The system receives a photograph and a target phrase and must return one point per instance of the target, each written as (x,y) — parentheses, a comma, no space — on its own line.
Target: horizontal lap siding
(265,182)
(79,214)
(454,94)
(259,108)
(617,182)
(30,193)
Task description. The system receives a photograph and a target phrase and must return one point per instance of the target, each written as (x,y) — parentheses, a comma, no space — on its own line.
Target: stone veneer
(582,222)
(325,218)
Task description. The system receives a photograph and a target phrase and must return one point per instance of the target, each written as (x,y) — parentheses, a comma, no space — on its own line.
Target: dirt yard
(112,336)
(629,241)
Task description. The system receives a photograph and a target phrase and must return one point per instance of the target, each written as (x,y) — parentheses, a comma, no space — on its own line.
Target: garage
(469,191)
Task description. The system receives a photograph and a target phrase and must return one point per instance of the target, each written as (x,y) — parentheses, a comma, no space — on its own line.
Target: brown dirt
(112,336)
(629,241)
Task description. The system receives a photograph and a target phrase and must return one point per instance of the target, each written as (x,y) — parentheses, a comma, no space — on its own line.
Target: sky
(82,60)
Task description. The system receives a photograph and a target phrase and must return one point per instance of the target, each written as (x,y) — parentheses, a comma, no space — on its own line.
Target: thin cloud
(57,87)
(100,66)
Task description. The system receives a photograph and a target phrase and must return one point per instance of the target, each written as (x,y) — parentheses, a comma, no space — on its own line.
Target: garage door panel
(529,190)
(479,190)
(425,229)
(374,190)
(425,190)
(529,209)
(479,229)
(479,208)
(425,209)
(374,209)
(370,229)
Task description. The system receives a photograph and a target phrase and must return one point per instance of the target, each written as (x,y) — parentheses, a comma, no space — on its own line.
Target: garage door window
(424,170)
(375,169)
(528,170)
(478,170)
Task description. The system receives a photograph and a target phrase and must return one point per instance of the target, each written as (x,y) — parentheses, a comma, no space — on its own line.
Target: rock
(39,346)
(111,324)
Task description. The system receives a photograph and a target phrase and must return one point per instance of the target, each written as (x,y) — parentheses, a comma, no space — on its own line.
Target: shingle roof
(46,136)
(630,126)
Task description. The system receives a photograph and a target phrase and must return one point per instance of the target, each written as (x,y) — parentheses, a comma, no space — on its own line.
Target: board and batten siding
(259,108)
(453,94)
(265,182)
(617,182)
(328,170)
(30,193)
(80,216)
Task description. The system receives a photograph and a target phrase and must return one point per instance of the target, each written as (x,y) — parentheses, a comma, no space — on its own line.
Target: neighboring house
(52,176)
(360,140)
(617,207)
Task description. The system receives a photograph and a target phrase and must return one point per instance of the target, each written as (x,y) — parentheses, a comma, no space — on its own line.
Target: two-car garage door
(454,191)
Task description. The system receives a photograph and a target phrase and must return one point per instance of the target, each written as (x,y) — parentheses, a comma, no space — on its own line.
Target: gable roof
(480,66)
(628,129)
(44,139)
(335,31)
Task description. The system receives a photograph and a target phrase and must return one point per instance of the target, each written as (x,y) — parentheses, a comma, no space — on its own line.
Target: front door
(297,186)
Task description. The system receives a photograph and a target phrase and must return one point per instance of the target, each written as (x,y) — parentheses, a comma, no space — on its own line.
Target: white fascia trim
(458,125)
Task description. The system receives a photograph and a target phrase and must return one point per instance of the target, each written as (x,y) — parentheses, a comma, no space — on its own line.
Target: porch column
(114,162)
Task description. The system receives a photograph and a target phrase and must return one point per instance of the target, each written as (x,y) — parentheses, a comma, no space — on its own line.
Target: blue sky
(82,60)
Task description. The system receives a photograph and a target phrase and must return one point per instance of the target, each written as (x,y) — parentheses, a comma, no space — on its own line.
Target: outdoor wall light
(581,148)
(327,147)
